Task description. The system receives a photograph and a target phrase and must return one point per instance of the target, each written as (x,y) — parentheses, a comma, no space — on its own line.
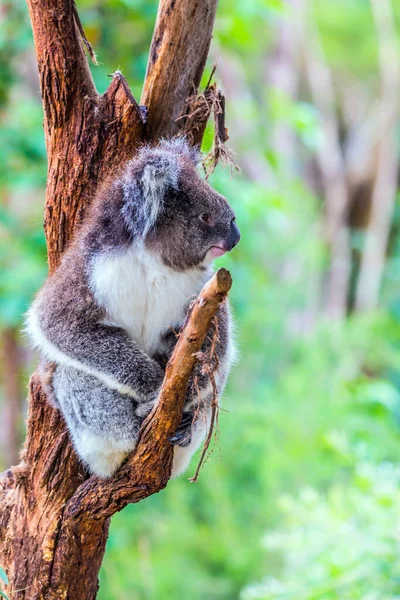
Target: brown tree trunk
(54,519)
(331,165)
(386,181)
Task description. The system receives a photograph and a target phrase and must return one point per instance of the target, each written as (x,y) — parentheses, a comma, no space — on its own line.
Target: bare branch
(384,192)
(178,54)
(282,75)
(84,39)
(331,164)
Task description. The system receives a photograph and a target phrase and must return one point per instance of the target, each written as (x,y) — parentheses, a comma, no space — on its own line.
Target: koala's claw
(180,439)
(183,435)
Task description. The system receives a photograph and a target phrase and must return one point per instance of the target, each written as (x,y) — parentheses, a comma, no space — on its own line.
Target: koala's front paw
(183,435)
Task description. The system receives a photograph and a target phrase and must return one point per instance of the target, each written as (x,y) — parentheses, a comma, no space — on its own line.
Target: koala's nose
(234,236)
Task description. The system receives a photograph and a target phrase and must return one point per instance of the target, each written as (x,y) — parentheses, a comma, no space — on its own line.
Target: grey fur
(159,170)
(145,223)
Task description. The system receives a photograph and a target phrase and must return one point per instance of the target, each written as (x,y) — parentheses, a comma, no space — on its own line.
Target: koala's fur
(107,315)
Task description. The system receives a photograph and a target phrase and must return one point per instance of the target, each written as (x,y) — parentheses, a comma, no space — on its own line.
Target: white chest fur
(142,295)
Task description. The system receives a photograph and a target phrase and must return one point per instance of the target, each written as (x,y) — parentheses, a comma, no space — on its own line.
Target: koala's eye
(206,219)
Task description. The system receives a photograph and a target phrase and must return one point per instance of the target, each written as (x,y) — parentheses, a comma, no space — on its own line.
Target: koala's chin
(108,316)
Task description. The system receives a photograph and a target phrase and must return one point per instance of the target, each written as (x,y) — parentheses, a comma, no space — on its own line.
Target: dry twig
(219,152)
(210,365)
(197,110)
(82,34)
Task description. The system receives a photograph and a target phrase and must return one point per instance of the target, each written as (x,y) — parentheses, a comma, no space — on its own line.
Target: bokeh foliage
(300,498)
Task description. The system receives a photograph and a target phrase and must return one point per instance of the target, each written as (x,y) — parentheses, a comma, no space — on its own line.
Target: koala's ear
(160,173)
(147,179)
(145,184)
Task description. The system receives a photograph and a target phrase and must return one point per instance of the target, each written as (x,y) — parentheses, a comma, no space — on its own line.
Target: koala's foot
(183,435)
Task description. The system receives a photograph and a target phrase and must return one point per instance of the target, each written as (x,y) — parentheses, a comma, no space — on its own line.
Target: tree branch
(385,186)
(331,164)
(178,54)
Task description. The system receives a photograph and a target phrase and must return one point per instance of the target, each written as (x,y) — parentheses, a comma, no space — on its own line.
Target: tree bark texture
(54,519)
(173,76)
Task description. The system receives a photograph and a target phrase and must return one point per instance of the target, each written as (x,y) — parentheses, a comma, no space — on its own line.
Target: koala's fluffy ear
(147,179)
(145,184)
(160,173)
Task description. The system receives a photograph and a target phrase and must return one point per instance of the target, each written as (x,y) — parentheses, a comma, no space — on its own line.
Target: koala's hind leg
(103,423)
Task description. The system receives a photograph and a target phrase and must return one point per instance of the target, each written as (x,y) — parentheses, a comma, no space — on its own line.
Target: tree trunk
(331,165)
(386,181)
(54,519)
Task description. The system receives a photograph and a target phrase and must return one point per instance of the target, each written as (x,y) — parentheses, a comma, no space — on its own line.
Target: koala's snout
(234,236)
(226,243)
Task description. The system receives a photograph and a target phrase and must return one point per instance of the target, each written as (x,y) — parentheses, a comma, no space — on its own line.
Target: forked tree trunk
(54,519)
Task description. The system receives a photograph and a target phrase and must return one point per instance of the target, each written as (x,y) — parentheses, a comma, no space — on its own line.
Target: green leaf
(3,576)
(3,595)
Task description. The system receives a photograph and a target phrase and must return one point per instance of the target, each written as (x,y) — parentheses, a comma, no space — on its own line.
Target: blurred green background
(300,498)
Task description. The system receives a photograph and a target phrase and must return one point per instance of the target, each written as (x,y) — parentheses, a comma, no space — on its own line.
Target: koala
(107,317)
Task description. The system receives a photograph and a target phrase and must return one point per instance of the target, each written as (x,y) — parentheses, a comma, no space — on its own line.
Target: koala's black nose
(234,236)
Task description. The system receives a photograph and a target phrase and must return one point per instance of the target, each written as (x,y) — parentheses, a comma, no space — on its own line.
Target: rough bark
(173,76)
(53,518)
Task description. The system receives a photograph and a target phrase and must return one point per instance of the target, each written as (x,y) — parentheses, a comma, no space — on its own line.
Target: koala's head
(176,213)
